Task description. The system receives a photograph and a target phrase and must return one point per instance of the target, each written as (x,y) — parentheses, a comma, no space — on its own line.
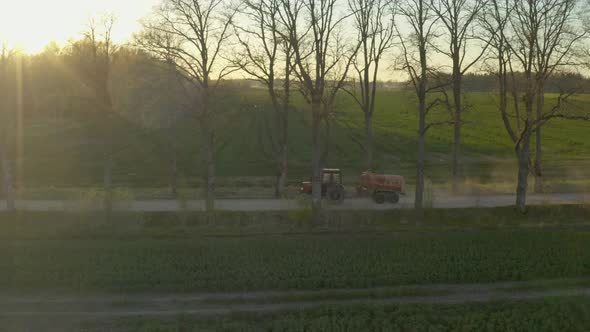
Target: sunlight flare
(30,26)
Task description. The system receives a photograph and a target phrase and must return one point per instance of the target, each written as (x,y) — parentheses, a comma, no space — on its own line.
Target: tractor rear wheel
(335,194)
(379,197)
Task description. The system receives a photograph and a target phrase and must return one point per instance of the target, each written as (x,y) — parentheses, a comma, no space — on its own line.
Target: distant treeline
(560,82)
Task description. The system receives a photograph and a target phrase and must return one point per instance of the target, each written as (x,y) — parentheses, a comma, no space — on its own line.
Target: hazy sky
(32,24)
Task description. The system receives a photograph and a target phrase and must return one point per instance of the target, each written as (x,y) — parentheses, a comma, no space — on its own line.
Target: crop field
(111,267)
(312,261)
(65,153)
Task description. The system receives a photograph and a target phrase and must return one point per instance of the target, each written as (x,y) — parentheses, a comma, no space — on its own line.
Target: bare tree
(419,17)
(375,33)
(459,20)
(313,30)
(95,55)
(519,33)
(193,33)
(557,48)
(267,57)
(497,25)
(541,43)
(6,162)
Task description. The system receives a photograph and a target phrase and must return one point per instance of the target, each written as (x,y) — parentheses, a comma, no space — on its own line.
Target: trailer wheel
(379,197)
(393,198)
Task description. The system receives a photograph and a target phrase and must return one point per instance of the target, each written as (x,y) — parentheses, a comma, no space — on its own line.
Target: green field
(294,262)
(65,152)
(363,257)
(159,254)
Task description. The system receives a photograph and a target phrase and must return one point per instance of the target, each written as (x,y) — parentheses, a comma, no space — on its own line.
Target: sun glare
(31,25)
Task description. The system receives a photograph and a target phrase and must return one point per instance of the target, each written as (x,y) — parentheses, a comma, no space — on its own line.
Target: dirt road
(24,310)
(406,202)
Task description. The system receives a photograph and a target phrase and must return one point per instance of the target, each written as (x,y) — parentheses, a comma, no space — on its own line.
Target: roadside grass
(556,314)
(90,224)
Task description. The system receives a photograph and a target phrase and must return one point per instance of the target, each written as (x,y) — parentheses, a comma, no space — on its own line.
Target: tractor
(332,187)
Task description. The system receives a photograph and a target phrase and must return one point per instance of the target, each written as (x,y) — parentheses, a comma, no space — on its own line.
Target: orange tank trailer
(382,187)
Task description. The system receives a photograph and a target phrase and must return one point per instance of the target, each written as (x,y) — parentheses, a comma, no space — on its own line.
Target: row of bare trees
(320,47)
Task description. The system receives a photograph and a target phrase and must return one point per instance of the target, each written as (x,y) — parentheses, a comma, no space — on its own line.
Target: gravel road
(406,202)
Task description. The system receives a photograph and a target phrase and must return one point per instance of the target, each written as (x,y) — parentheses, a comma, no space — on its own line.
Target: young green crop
(293,262)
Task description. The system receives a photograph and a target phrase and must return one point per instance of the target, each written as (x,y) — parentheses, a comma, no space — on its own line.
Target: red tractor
(332,187)
(382,187)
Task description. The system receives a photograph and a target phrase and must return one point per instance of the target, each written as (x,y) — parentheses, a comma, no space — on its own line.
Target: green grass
(127,226)
(66,153)
(178,260)
(561,314)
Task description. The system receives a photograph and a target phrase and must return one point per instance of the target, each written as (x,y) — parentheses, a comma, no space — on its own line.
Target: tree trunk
(523,147)
(457,164)
(208,147)
(419,197)
(515,100)
(283,115)
(174,155)
(8,182)
(209,164)
(523,172)
(325,151)
(538,171)
(284,155)
(282,176)
(369,144)
(316,154)
(421,93)
(108,182)
(174,173)
(108,163)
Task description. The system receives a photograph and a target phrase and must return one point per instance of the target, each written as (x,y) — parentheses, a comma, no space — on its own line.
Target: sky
(31,24)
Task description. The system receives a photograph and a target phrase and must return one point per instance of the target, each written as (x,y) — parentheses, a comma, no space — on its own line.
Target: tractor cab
(331,185)
(331,176)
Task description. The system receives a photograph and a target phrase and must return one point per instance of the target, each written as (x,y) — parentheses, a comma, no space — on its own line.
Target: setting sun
(31,25)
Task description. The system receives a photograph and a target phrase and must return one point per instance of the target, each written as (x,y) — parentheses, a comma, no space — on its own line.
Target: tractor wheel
(335,194)
(393,198)
(379,197)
